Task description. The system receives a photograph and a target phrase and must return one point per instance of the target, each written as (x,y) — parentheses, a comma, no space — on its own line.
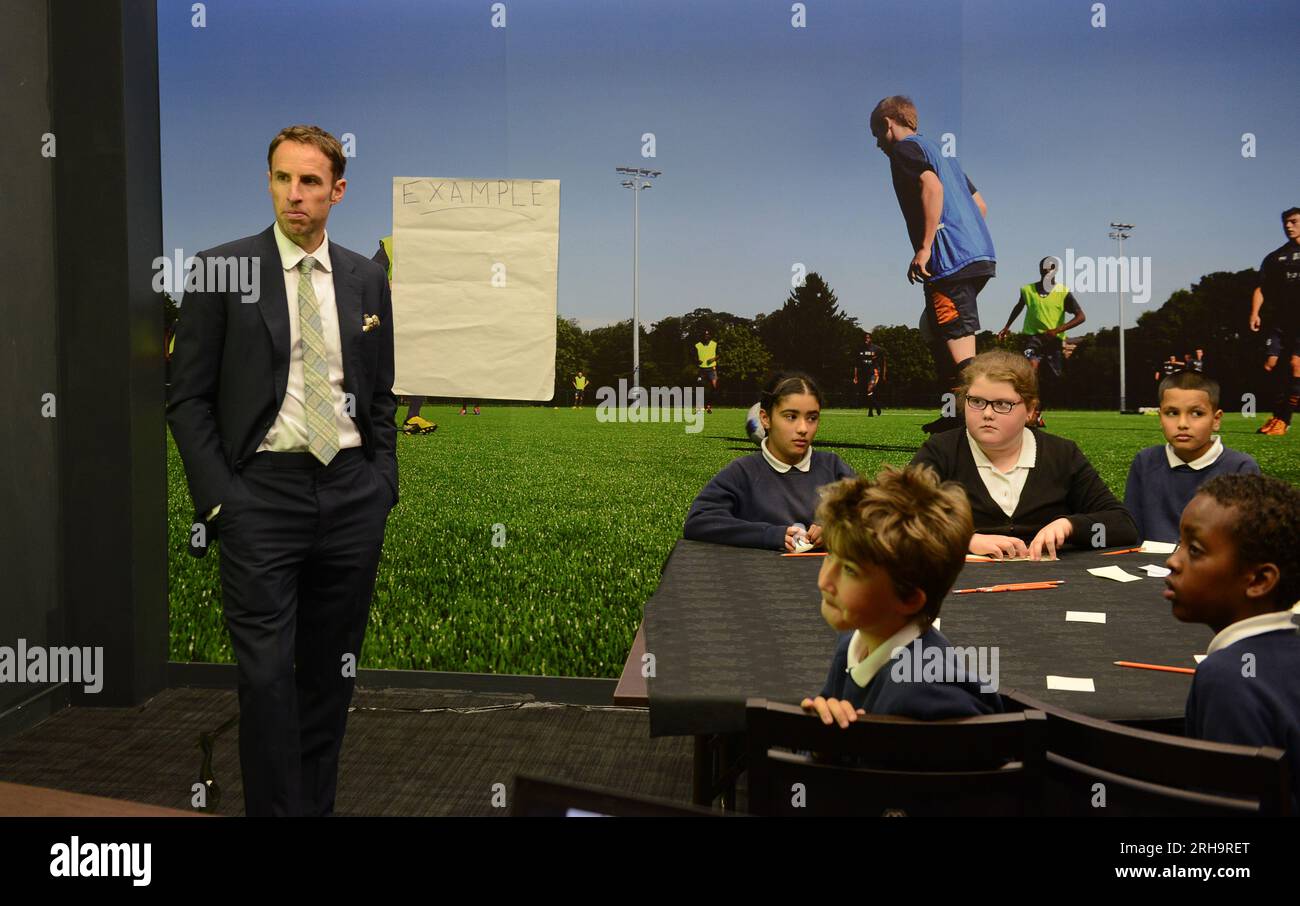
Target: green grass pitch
(590,512)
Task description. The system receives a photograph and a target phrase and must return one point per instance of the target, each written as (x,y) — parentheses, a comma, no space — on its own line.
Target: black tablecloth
(729,623)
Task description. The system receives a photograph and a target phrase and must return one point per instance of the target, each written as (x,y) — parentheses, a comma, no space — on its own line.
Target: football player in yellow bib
(1045,304)
(707,353)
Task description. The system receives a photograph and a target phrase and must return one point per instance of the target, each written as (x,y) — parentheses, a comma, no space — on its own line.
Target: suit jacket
(1061,483)
(231,367)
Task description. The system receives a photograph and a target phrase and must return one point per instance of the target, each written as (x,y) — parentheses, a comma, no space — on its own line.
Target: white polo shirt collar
(1028,452)
(1208,458)
(863,667)
(1253,626)
(802,465)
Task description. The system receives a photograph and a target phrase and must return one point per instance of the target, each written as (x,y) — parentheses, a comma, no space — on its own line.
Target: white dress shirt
(1005,487)
(289,432)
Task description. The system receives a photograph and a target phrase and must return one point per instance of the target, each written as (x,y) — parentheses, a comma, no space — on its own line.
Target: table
(18,799)
(728,623)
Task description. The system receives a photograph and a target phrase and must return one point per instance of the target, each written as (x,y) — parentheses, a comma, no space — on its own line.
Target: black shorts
(1046,350)
(950,306)
(1278,340)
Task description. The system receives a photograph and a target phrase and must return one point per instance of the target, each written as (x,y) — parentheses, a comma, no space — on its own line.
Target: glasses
(1002,407)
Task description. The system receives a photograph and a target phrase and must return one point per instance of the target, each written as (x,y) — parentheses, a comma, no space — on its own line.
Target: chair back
(1098,768)
(892,766)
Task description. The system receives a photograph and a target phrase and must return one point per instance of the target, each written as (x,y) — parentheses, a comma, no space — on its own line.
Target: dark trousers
(300,546)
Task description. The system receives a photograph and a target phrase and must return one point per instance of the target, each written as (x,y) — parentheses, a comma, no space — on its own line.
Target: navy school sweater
(1156,494)
(1261,708)
(750,504)
(899,686)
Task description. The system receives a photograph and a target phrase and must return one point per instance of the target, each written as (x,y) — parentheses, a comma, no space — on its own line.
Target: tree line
(811,332)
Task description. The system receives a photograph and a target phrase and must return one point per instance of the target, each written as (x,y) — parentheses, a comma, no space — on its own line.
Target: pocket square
(369,322)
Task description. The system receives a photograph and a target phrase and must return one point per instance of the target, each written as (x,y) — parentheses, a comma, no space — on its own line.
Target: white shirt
(864,669)
(802,465)
(1005,487)
(289,432)
(1208,458)
(1252,626)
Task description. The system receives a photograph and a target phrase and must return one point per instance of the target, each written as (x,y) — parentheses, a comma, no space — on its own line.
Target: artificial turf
(588,512)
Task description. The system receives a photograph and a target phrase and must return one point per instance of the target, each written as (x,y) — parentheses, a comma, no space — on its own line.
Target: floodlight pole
(1121,231)
(639,178)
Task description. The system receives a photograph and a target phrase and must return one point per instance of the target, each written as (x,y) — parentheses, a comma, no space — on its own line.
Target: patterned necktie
(322,432)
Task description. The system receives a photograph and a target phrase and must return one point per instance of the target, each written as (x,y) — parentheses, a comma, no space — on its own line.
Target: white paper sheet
(1158,547)
(1113,572)
(1155,572)
(1084,616)
(475,279)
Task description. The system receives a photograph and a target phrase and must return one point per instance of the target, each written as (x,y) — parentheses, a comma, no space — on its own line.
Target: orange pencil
(1131,550)
(1154,667)
(807,554)
(1012,586)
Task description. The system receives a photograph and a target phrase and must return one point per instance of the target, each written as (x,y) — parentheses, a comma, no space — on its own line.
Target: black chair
(535,797)
(1097,768)
(892,766)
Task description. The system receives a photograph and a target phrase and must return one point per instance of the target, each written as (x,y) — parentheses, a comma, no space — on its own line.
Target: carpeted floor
(407,752)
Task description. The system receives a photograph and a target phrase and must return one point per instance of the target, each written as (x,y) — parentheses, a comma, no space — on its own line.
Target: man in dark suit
(282,407)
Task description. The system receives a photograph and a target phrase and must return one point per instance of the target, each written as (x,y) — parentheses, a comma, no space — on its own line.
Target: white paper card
(1158,547)
(1156,572)
(1113,572)
(1084,616)
(935,624)
(1200,657)
(1071,683)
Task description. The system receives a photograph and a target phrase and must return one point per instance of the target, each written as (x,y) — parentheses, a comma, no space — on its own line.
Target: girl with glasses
(1030,492)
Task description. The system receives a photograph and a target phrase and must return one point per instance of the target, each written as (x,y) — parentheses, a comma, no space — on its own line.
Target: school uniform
(880,683)
(1052,479)
(752,501)
(1246,690)
(1160,485)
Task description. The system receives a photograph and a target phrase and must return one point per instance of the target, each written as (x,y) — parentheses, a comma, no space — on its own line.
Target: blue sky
(760,130)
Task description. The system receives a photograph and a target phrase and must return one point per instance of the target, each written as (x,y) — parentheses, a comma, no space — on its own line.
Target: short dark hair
(1288,212)
(908,522)
(784,384)
(315,136)
(1267,525)
(1190,380)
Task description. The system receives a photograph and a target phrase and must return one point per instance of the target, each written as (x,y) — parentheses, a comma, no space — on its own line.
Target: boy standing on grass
(1164,478)
(1237,570)
(953,251)
(895,546)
